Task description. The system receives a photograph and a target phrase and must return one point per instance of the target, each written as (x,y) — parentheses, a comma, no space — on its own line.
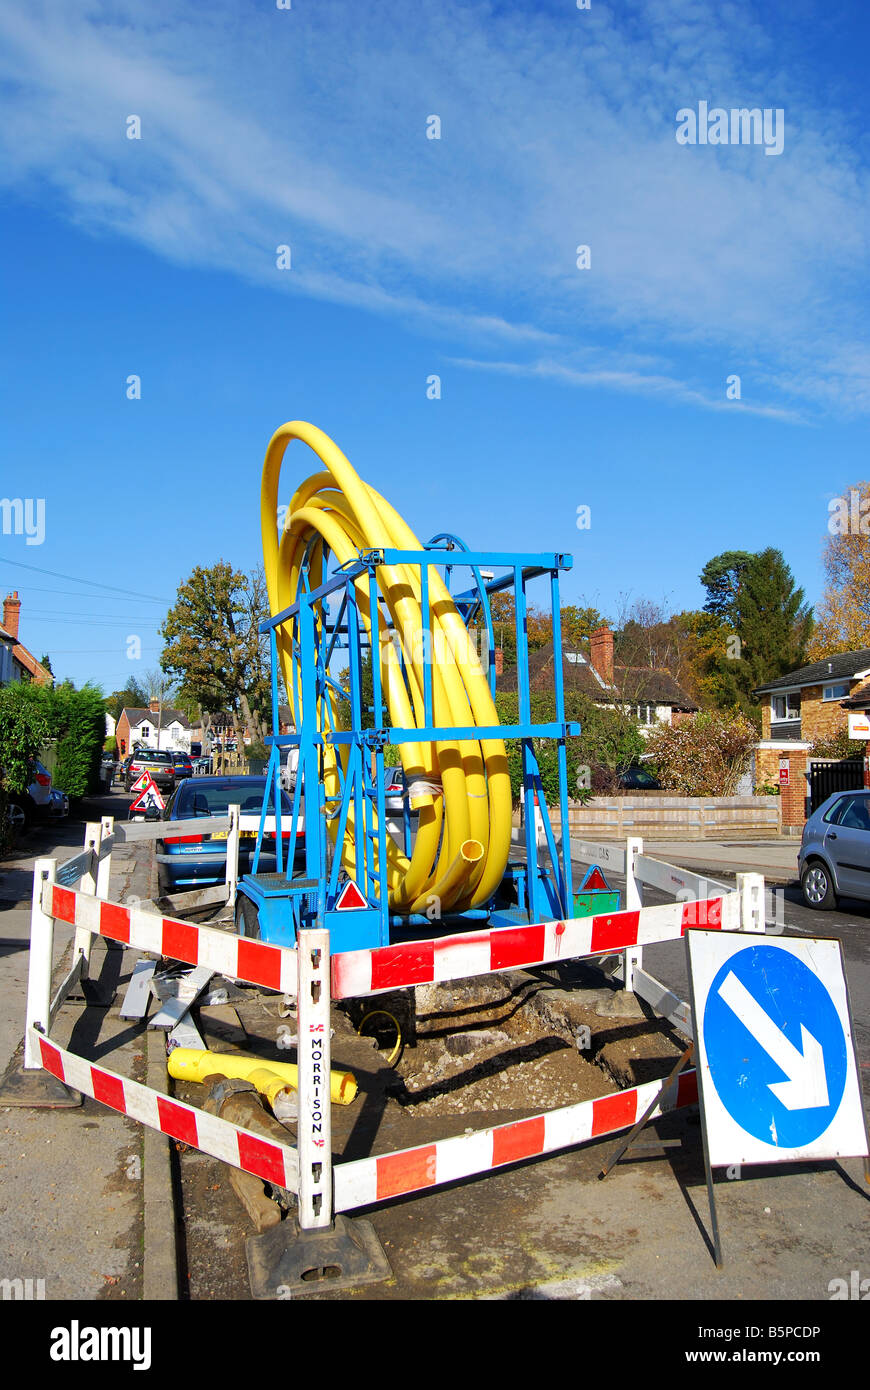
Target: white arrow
(806,1087)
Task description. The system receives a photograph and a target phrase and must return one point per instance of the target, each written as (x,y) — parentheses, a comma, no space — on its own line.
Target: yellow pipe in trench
(195,1064)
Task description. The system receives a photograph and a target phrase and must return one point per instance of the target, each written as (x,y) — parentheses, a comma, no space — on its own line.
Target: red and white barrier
(275,1163)
(273,967)
(307,971)
(515,948)
(365,1181)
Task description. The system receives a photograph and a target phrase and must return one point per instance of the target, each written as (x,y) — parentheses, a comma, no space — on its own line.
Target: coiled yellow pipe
(463,837)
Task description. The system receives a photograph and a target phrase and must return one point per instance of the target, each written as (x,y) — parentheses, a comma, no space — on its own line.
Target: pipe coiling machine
(378,640)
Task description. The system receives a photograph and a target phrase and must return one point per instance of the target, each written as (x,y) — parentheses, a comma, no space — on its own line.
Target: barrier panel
(317,978)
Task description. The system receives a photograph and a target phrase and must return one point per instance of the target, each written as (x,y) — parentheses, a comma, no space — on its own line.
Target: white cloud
(307,126)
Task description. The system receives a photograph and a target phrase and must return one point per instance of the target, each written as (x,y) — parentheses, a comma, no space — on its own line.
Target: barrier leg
(751,890)
(633,957)
(104,867)
(232,873)
(27,1084)
(88,884)
(315,1249)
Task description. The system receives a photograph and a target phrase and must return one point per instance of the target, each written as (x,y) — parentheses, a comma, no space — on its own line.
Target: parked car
(834,857)
(156,761)
(182,764)
(34,803)
(192,860)
(638,779)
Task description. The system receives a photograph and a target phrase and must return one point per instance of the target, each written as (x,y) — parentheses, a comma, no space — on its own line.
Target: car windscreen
(149,756)
(196,800)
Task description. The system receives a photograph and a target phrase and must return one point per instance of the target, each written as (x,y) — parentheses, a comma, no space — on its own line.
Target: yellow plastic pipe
(195,1064)
(463,838)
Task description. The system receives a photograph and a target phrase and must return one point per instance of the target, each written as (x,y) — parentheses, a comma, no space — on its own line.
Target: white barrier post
(233,836)
(633,901)
(39,970)
(88,884)
(314,1128)
(104,865)
(751,890)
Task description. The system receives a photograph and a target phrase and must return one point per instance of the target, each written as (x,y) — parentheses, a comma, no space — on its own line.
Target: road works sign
(150,798)
(777,1073)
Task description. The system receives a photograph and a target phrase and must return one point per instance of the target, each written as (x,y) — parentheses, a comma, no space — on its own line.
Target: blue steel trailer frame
(325,620)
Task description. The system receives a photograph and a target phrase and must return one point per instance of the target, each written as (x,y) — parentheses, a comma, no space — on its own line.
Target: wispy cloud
(262,127)
(641,383)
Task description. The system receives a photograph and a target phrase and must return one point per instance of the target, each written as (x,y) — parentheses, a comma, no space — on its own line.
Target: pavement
(776,859)
(77,1184)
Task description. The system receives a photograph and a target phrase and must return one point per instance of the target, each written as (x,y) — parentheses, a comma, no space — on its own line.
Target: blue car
(190,860)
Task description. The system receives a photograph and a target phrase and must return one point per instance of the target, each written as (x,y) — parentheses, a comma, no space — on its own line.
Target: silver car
(834,857)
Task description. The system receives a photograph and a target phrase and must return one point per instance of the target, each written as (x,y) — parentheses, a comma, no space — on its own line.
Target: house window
(646,714)
(836,692)
(783,707)
(145,731)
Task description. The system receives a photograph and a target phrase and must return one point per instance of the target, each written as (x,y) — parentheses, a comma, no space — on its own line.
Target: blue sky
(411,257)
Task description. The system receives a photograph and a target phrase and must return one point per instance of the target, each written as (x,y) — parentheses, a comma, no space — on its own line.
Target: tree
(161,691)
(213,647)
(133,696)
(722,577)
(844,612)
(762,618)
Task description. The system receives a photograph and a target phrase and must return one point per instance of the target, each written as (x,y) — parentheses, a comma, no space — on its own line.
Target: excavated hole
(486,1045)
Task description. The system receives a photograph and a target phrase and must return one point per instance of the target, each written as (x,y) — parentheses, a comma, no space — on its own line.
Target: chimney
(601,653)
(499,661)
(11,613)
(154,706)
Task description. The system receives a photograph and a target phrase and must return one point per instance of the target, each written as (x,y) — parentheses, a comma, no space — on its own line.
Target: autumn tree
(214,649)
(843,616)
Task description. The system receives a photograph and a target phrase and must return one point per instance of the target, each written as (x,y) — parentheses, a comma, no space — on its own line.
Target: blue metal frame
(324,620)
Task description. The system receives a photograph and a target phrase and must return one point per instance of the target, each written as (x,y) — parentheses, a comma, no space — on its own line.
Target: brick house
(18,664)
(648,694)
(800,708)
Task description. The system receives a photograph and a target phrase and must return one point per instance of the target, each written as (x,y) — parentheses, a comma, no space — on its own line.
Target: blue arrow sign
(775,1046)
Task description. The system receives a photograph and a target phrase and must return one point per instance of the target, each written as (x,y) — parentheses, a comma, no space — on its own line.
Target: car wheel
(817,887)
(247,918)
(19,817)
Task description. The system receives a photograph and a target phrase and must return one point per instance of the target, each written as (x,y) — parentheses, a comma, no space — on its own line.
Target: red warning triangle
(150,799)
(142,781)
(595,879)
(350,898)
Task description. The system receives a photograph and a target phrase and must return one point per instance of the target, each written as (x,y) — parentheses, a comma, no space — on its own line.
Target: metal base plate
(36,1090)
(286,1262)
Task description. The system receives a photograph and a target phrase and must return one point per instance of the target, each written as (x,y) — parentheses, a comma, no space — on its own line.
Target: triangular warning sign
(594,879)
(350,898)
(142,781)
(150,800)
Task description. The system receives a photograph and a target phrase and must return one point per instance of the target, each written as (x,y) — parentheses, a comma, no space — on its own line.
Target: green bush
(77,719)
(23,731)
(608,741)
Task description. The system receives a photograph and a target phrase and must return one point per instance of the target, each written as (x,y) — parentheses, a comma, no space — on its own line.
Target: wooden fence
(658,817)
